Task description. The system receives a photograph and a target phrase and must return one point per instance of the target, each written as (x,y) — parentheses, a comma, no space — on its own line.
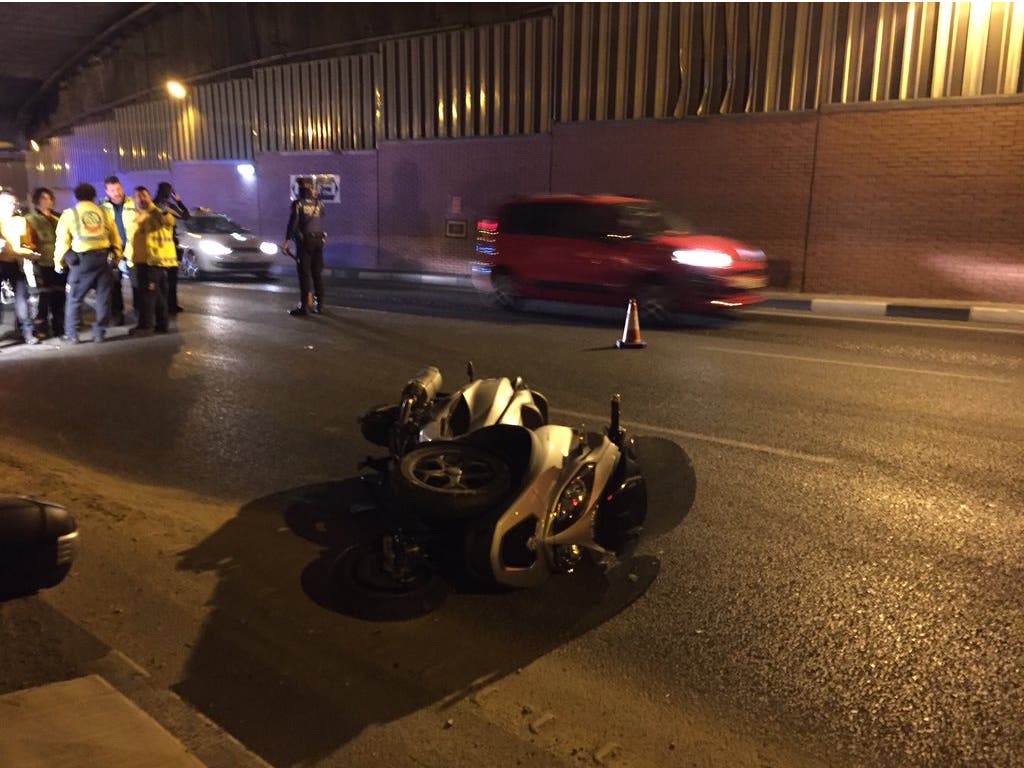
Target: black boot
(318,305)
(299,311)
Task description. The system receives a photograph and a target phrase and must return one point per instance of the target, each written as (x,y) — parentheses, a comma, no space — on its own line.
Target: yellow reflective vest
(153,238)
(128,214)
(86,227)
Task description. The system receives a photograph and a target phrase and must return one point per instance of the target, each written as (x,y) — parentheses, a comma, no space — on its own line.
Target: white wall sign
(327,186)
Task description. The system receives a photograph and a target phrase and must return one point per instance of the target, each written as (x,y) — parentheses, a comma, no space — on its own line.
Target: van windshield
(646,219)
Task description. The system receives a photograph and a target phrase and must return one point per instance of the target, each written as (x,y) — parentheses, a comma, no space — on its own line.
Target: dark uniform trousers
(52,299)
(9,270)
(153,309)
(88,270)
(310,264)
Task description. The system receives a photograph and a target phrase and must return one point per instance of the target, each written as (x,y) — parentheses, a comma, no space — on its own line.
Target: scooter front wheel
(362,587)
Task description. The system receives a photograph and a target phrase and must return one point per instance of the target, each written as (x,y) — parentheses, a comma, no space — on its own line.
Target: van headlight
(702,257)
(213,248)
(572,500)
(268,248)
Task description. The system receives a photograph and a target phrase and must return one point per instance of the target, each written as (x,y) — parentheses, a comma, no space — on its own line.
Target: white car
(211,244)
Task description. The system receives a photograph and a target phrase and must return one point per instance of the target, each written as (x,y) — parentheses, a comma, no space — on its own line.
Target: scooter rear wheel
(363,588)
(451,480)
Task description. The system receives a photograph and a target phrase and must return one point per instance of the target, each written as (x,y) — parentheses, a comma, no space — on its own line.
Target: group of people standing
(93,246)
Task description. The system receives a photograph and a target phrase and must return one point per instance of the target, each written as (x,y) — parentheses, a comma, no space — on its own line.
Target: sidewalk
(785,301)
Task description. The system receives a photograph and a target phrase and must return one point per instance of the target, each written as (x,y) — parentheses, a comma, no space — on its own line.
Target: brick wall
(747,177)
(922,203)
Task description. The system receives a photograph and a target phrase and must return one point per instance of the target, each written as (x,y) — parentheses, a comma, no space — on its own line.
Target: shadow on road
(294,680)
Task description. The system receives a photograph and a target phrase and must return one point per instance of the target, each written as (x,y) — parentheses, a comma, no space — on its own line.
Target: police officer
(306,228)
(155,256)
(88,242)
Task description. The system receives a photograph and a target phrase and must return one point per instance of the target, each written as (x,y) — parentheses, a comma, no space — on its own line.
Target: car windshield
(213,225)
(645,219)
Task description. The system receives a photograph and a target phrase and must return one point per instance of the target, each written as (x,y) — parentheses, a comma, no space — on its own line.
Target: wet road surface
(846,589)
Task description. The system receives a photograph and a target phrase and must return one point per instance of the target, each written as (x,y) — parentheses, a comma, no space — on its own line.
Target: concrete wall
(351,225)
(218,186)
(419,184)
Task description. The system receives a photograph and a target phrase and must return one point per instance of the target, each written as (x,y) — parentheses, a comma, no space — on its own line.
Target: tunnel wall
(744,177)
(924,203)
(425,183)
(921,201)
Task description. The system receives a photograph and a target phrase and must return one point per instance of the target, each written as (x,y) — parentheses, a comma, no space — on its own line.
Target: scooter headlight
(572,501)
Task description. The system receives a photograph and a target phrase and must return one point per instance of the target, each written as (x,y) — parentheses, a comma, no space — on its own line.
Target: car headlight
(572,501)
(213,248)
(268,248)
(702,257)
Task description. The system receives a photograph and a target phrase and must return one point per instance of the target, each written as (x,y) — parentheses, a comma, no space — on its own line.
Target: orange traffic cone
(631,330)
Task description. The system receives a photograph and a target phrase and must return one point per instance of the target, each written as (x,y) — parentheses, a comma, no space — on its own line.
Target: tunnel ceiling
(113,53)
(38,41)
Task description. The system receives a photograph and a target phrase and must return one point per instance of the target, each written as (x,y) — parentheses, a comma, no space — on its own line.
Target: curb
(858,307)
(385,276)
(902,309)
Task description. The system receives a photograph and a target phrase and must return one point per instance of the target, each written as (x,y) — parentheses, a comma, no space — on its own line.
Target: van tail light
(486,234)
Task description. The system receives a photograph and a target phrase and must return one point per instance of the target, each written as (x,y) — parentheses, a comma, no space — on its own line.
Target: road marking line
(874,366)
(643,428)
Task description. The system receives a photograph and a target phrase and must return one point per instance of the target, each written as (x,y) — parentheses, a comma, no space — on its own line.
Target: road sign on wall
(327,185)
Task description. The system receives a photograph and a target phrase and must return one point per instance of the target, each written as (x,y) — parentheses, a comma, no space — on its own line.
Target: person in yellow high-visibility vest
(153,252)
(87,241)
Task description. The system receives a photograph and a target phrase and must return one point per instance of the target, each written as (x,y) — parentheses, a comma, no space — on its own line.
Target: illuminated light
(56,166)
(213,248)
(440,112)
(34,144)
(176,89)
(268,248)
(255,132)
(487,225)
(246,170)
(120,151)
(40,167)
(720,303)
(67,166)
(105,151)
(701,257)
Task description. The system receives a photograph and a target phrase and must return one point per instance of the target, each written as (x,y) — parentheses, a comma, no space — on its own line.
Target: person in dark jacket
(42,224)
(170,201)
(306,229)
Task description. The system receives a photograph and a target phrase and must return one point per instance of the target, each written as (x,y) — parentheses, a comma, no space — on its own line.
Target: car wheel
(188,267)
(654,303)
(363,587)
(451,480)
(506,293)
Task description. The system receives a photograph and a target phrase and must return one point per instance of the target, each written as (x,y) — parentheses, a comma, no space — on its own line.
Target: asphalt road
(846,590)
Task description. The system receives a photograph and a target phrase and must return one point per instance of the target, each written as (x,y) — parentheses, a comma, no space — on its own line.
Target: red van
(603,249)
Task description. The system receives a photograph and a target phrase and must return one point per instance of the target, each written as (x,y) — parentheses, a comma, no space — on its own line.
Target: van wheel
(506,294)
(654,303)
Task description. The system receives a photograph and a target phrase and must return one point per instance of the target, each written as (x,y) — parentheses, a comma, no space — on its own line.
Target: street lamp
(34,144)
(176,89)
